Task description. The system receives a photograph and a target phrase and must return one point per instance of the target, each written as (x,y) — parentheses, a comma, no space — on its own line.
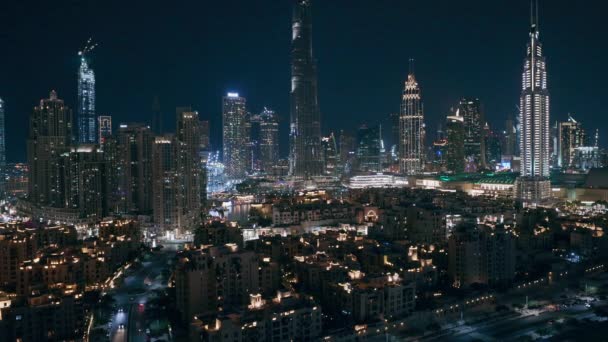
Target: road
(132,296)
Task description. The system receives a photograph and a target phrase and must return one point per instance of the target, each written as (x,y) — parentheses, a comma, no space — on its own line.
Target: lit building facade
(50,135)
(570,136)
(331,158)
(369,149)
(534,186)
(87,120)
(166,184)
(305,127)
(188,136)
(105,128)
(472,114)
(235,136)
(269,139)
(455,144)
(411,128)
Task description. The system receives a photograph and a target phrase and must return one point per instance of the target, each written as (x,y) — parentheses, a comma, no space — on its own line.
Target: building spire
(411,66)
(534,14)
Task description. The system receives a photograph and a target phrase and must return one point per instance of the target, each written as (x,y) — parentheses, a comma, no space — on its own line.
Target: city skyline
(379,82)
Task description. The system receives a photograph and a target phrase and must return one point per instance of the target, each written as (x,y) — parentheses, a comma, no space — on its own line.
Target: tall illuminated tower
(305,128)
(533,185)
(87,120)
(235,136)
(411,127)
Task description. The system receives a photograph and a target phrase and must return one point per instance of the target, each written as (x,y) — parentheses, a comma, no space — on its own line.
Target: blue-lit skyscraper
(87,120)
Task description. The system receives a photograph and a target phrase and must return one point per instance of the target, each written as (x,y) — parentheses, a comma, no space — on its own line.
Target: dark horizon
(192,54)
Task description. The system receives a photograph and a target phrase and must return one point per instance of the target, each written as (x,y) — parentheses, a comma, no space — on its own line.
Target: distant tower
(411,127)
(369,147)
(2,136)
(455,144)
(570,136)
(305,127)
(534,186)
(269,139)
(472,114)
(235,136)
(87,120)
(188,136)
(105,128)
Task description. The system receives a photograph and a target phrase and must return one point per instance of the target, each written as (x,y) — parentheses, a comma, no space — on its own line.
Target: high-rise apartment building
(166,182)
(50,135)
(269,139)
(105,128)
(534,187)
(411,127)
(455,144)
(235,136)
(87,120)
(305,127)
(135,153)
(472,114)
(188,136)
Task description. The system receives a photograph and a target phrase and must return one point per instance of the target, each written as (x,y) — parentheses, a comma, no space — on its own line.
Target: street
(132,295)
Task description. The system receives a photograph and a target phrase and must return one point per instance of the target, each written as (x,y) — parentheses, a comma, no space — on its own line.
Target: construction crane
(88,47)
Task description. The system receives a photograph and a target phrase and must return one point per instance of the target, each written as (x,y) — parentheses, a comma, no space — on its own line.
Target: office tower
(269,139)
(87,120)
(50,135)
(157,117)
(411,127)
(135,143)
(455,148)
(570,136)
(189,164)
(369,147)
(105,128)
(472,115)
(533,186)
(347,150)
(305,127)
(86,181)
(2,136)
(166,182)
(235,136)
(331,158)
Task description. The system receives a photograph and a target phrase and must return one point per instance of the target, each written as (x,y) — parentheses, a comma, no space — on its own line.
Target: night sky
(192,52)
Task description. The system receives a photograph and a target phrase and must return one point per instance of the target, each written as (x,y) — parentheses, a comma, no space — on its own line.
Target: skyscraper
(533,186)
(135,153)
(87,120)
(235,136)
(157,117)
(472,114)
(455,133)
(331,158)
(50,135)
(411,127)
(369,147)
(269,139)
(166,184)
(2,136)
(189,164)
(570,136)
(105,128)
(305,127)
